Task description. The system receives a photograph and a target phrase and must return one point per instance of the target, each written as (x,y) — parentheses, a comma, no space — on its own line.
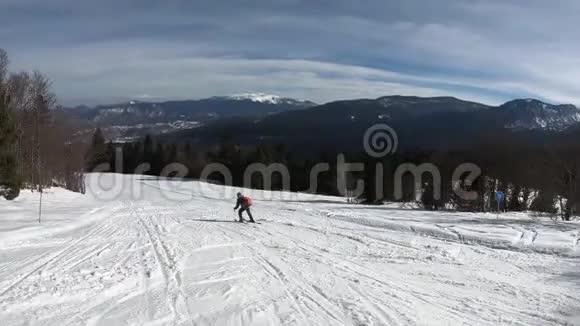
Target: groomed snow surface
(138,255)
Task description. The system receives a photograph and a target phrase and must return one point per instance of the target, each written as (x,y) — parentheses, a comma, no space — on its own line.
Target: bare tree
(41,132)
(21,103)
(3,65)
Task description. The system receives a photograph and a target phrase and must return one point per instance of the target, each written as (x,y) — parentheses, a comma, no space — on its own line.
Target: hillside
(127,121)
(170,254)
(431,123)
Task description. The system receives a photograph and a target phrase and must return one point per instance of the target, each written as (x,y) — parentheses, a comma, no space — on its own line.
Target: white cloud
(117,72)
(480,50)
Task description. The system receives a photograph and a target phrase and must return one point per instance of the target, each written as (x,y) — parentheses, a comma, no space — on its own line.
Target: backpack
(247,201)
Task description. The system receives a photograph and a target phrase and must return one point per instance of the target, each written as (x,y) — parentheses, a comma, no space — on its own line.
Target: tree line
(36,147)
(542,178)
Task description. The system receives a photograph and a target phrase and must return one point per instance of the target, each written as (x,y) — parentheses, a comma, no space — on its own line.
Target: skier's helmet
(239,194)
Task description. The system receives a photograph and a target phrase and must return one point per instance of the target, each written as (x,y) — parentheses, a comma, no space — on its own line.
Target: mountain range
(252,118)
(133,119)
(433,123)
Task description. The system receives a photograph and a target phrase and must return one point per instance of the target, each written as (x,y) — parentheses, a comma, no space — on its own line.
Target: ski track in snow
(312,261)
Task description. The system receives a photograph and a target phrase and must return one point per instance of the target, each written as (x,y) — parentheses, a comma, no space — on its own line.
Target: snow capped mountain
(429,123)
(280,118)
(135,118)
(257,97)
(264,99)
(132,112)
(532,114)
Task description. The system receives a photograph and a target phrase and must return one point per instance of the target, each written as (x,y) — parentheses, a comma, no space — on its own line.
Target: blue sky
(484,50)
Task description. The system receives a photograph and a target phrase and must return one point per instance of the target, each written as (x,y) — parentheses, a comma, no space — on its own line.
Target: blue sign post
(499,197)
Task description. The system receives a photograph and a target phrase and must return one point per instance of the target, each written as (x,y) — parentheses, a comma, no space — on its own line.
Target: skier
(244,204)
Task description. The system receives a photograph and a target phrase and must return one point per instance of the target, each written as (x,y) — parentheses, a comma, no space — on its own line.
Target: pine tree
(148,150)
(544,202)
(10,181)
(97,154)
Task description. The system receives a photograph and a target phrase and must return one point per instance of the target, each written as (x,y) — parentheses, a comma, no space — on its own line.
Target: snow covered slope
(159,253)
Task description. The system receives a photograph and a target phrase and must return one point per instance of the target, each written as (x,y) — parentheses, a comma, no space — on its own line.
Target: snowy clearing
(141,258)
